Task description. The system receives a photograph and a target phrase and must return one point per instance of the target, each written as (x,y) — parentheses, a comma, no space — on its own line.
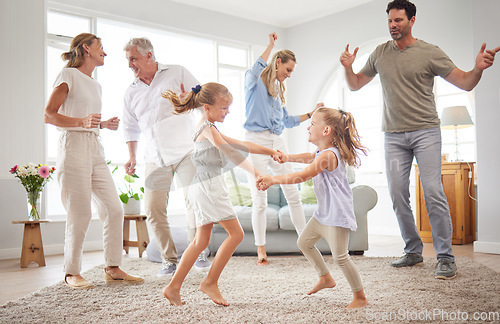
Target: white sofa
(281,235)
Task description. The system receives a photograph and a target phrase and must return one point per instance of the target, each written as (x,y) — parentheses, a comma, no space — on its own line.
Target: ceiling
(279,13)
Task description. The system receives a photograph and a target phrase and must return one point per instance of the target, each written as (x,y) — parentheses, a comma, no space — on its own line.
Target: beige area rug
(272,294)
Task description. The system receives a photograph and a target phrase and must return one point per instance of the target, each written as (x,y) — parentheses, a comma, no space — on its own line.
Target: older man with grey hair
(168,138)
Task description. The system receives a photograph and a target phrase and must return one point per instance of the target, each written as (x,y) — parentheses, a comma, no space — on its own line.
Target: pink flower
(14,169)
(44,171)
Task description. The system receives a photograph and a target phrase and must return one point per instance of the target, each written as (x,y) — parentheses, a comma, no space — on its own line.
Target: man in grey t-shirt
(407,67)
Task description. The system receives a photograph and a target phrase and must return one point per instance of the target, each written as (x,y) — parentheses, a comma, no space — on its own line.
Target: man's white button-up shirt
(168,136)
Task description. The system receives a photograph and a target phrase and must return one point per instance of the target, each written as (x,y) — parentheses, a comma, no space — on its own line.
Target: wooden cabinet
(458,182)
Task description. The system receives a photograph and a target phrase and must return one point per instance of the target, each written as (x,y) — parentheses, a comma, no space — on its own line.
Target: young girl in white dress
(334,133)
(208,192)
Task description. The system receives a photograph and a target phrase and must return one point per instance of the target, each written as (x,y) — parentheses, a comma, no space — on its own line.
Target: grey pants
(425,146)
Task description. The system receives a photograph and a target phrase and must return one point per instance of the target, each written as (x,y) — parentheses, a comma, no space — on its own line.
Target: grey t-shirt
(407,78)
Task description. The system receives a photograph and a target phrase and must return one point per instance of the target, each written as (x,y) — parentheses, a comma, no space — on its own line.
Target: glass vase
(34,203)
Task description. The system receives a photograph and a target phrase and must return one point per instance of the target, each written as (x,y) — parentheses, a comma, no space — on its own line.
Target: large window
(232,65)
(206,58)
(366,107)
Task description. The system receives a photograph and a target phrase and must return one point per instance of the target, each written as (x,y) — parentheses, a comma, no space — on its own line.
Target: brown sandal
(127,279)
(79,284)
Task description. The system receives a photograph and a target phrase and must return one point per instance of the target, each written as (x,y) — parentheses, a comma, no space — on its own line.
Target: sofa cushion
(285,222)
(307,195)
(274,195)
(239,192)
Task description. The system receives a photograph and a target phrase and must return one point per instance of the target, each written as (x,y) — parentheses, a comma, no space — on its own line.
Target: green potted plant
(130,198)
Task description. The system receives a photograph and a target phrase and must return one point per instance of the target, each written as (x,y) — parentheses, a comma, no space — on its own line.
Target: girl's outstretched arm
(218,140)
(248,146)
(326,160)
(301,158)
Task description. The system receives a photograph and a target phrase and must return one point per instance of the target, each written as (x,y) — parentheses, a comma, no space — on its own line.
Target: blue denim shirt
(263,112)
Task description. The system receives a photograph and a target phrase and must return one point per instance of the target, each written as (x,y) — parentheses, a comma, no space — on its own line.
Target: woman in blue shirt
(266,118)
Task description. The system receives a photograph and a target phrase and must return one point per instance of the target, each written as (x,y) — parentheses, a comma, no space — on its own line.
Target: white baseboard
(487,247)
(54,249)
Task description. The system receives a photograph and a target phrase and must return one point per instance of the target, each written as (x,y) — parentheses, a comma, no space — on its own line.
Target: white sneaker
(202,263)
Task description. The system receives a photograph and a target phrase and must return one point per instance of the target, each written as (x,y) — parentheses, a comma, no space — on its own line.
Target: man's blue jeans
(425,146)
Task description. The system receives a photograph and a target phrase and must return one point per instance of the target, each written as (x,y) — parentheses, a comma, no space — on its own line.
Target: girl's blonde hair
(345,134)
(268,75)
(76,54)
(198,96)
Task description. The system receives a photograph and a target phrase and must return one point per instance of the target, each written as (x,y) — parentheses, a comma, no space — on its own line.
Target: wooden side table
(32,249)
(458,183)
(142,233)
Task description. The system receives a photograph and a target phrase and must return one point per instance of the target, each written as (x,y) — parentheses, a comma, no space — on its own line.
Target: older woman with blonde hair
(75,108)
(267,117)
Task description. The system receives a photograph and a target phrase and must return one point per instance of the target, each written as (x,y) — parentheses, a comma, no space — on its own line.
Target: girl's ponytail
(345,134)
(180,106)
(197,97)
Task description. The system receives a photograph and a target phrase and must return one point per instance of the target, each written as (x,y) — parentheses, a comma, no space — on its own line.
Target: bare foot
(173,296)
(325,281)
(261,262)
(359,300)
(213,292)
(261,255)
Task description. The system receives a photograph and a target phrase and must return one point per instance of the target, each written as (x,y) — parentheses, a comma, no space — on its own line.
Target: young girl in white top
(208,193)
(334,133)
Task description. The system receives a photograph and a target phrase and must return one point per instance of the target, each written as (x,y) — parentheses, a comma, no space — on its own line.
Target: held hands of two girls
(263,182)
(280,157)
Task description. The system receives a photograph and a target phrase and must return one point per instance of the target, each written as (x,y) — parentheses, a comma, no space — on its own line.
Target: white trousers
(83,175)
(156,193)
(259,198)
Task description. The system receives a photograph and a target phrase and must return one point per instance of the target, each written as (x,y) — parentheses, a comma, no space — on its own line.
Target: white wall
(22,93)
(486,25)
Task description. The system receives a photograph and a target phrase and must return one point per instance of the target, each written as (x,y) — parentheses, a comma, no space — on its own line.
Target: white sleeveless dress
(208,191)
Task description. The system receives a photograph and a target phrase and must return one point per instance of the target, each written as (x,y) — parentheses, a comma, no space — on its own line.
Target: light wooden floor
(16,282)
